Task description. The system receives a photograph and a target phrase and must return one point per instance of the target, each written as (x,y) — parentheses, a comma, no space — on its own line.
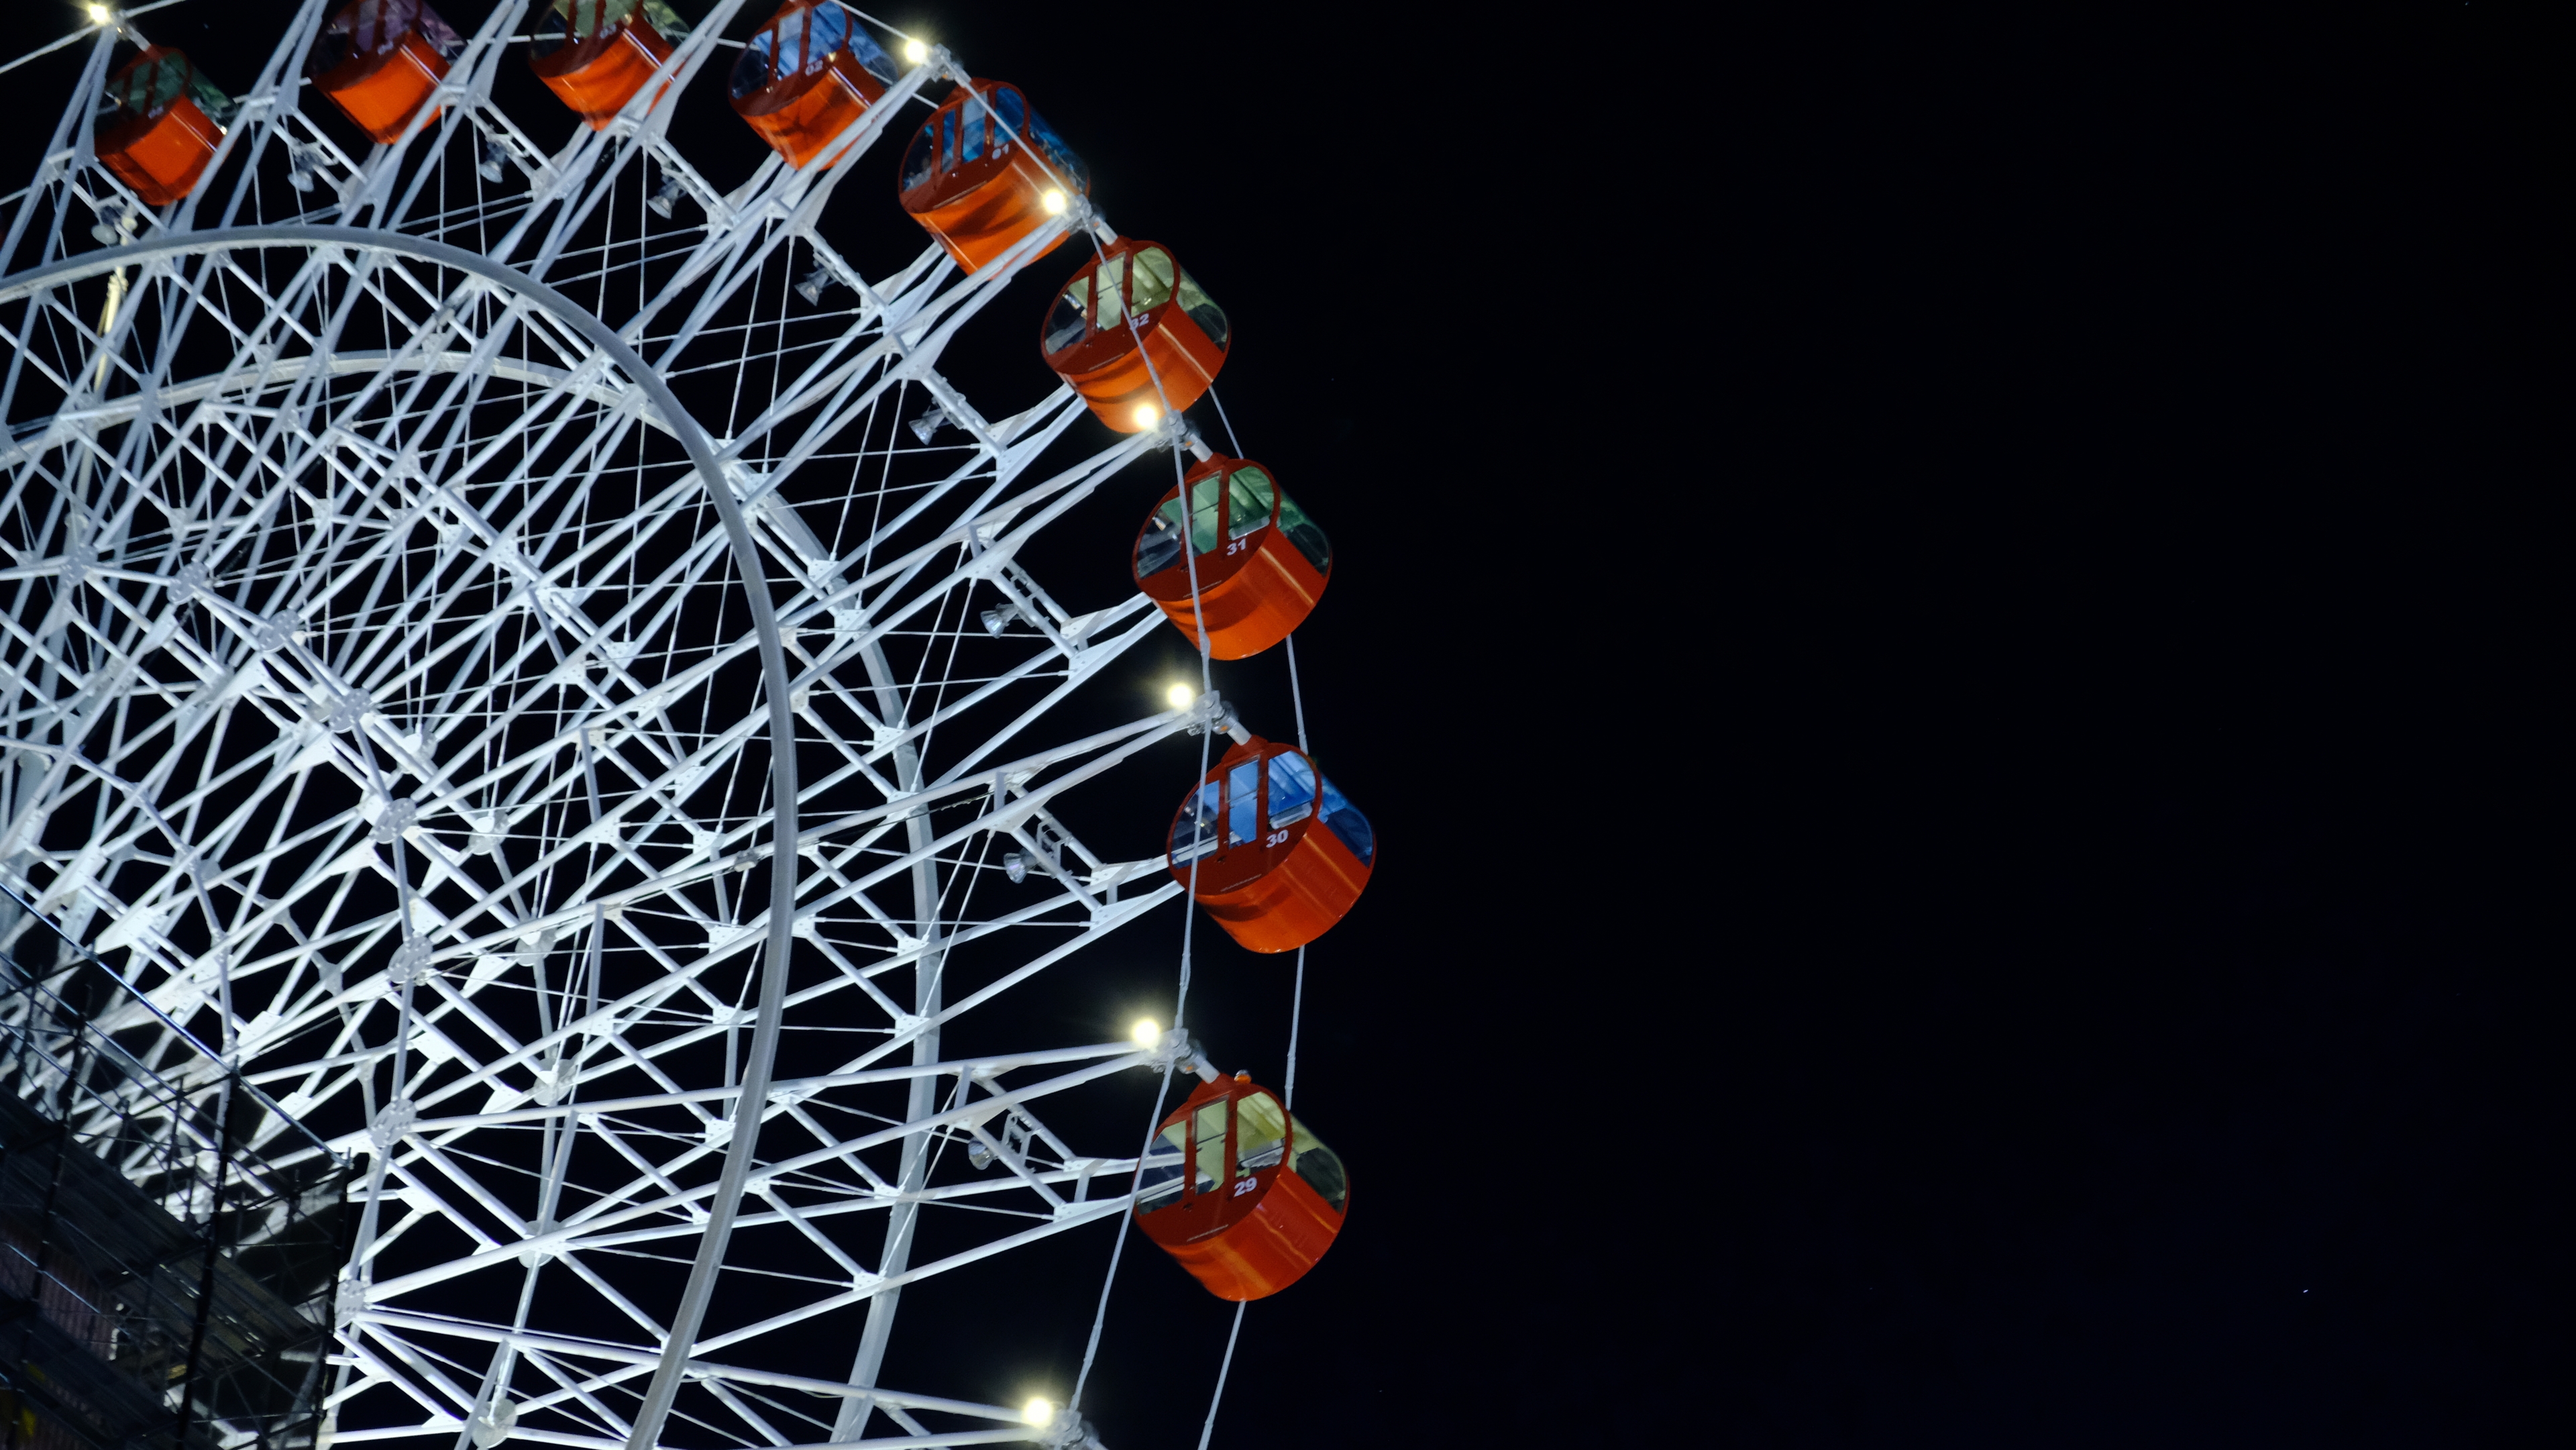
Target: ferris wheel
(417,552)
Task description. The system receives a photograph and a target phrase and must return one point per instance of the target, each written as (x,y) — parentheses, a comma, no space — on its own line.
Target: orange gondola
(806,76)
(1271,879)
(985,171)
(1239,1192)
(596,54)
(379,60)
(1087,338)
(162,124)
(1259,562)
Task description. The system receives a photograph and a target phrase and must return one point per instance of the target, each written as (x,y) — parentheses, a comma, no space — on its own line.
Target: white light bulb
(914,52)
(1147,415)
(1180,696)
(1037,1412)
(1055,202)
(1146,1033)
(98,15)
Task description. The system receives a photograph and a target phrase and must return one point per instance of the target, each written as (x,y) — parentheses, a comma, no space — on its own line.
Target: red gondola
(1239,1192)
(1267,875)
(806,76)
(984,172)
(596,54)
(1088,341)
(162,125)
(1260,561)
(378,61)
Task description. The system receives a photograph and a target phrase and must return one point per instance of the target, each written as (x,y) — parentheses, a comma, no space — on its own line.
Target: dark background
(1943,618)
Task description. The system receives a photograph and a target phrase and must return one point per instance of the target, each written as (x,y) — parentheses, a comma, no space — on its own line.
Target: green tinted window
(210,98)
(1203,521)
(1302,532)
(1159,547)
(666,20)
(1064,325)
(1248,500)
(586,18)
(1204,311)
(148,90)
(149,87)
(1153,280)
(1113,276)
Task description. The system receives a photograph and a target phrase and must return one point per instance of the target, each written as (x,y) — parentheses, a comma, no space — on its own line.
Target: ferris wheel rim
(683,426)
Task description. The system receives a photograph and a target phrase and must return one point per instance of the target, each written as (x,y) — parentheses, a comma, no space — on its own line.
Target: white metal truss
(385,701)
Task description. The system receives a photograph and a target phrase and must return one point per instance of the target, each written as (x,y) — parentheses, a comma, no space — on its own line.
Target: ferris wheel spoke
(554,1350)
(633,1218)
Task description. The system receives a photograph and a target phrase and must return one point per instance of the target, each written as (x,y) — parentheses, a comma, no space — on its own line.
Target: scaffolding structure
(169,1238)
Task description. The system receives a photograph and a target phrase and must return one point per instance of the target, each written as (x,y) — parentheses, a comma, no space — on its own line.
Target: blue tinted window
(1011,112)
(433,30)
(1243,803)
(752,71)
(831,30)
(1158,1185)
(864,49)
(1059,155)
(1161,1178)
(974,139)
(947,139)
(1292,789)
(921,158)
(1194,834)
(791,44)
(1350,825)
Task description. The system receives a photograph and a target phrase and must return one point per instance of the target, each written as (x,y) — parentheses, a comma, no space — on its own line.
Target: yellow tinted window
(1207,1131)
(1260,1131)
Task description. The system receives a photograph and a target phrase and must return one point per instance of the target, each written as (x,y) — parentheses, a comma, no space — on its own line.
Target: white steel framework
(393,661)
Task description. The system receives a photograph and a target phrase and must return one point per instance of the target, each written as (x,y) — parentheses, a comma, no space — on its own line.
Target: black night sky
(1943,620)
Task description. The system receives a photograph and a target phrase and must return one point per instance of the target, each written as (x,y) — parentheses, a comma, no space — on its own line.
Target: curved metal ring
(773,667)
